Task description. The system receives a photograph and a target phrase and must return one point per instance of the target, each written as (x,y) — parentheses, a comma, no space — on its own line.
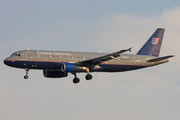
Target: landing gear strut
(27,71)
(76,79)
(88,76)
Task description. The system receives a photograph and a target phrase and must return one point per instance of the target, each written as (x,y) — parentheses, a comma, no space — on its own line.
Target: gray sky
(91,26)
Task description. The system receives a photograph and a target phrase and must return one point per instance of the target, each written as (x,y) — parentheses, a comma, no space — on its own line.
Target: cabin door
(136,60)
(29,55)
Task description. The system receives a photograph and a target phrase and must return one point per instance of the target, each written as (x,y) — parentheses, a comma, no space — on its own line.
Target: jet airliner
(57,64)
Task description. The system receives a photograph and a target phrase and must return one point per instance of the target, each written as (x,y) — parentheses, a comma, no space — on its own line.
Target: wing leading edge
(103,58)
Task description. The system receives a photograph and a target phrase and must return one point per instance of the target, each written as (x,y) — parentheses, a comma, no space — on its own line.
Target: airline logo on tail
(155,41)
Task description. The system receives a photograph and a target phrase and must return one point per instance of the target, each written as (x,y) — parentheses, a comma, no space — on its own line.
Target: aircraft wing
(103,58)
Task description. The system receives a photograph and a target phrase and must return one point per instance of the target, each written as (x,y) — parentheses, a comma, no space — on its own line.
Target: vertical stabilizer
(153,45)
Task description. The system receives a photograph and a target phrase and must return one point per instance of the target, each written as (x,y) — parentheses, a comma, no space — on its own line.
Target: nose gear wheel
(27,71)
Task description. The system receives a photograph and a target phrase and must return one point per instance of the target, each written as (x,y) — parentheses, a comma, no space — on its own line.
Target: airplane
(57,64)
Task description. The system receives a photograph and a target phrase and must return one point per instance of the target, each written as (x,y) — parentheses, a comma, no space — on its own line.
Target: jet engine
(54,74)
(71,67)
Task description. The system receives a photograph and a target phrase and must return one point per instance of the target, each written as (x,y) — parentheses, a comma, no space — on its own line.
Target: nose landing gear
(27,71)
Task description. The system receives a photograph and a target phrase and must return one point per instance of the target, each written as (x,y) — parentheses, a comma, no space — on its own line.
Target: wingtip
(130,49)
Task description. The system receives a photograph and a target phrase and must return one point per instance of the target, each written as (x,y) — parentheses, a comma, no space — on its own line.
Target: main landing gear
(88,76)
(77,80)
(27,71)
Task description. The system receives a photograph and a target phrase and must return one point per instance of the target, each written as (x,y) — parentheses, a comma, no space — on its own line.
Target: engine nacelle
(54,74)
(71,67)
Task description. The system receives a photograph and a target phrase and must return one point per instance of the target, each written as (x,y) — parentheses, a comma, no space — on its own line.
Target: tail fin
(153,45)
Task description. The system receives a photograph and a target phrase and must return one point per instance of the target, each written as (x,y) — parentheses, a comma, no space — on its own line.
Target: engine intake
(54,74)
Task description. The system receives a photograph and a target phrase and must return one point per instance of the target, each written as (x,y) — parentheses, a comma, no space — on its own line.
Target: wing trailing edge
(103,58)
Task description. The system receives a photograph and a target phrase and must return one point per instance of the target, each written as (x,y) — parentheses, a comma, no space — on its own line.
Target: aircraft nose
(6,61)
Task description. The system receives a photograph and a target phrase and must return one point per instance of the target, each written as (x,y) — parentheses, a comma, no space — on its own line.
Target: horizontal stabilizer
(160,58)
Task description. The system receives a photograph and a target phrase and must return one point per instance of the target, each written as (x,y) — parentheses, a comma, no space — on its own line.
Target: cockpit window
(13,54)
(16,54)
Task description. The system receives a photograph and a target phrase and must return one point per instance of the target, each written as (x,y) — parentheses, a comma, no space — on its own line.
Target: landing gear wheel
(76,80)
(88,77)
(27,71)
(26,77)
